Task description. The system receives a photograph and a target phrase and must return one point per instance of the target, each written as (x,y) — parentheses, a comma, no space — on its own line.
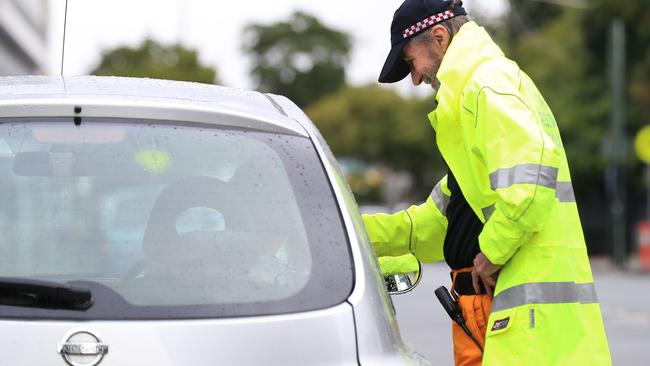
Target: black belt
(463,284)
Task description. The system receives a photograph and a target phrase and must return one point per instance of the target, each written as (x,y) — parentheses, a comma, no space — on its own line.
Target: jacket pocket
(513,338)
(507,338)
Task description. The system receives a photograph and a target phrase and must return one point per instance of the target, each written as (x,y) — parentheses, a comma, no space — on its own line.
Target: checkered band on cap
(428,22)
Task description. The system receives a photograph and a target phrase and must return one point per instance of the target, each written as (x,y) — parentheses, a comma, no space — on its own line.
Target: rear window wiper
(43,294)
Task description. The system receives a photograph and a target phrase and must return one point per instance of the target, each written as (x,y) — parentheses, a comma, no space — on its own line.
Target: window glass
(171,220)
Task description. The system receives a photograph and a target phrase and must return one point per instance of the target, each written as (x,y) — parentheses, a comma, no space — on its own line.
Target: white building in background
(23,37)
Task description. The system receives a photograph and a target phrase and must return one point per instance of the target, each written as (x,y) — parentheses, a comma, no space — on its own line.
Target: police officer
(504,217)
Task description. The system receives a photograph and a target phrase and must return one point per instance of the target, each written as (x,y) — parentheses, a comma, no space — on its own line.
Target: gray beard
(435,85)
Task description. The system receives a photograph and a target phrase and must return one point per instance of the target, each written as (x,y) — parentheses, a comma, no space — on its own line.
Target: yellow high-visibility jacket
(501,141)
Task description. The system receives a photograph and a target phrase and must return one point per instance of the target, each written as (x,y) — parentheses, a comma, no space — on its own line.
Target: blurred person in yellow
(504,217)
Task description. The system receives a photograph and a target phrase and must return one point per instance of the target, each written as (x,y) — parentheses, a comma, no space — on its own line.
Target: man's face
(424,59)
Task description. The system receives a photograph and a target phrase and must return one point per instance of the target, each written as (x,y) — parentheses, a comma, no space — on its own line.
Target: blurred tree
(376,124)
(301,58)
(154,60)
(636,15)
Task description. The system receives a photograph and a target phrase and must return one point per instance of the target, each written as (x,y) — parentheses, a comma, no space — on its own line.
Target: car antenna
(65,21)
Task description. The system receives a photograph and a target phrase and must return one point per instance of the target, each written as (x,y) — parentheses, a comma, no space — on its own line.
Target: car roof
(143,98)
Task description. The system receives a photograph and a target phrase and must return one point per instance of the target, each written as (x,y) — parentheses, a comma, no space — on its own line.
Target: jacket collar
(469,48)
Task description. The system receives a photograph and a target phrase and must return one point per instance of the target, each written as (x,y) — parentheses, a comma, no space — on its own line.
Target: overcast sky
(214,28)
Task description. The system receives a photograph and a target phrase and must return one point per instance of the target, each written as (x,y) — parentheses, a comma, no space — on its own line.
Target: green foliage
(636,15)
(376,124)
(301,58)
(154,60)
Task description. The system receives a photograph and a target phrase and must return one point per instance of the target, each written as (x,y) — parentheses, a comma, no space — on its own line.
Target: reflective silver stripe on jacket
(542,175)
(545,293)
(564,192)
(488,211)
(440,199)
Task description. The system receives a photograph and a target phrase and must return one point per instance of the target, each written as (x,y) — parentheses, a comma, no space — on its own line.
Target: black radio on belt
(452,308)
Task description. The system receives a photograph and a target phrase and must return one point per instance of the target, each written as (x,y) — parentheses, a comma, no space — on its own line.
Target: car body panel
(324,337)
(42,96)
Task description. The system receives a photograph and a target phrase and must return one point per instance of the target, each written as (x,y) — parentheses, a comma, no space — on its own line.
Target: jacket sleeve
(420,229)
(406,263)
(522,161)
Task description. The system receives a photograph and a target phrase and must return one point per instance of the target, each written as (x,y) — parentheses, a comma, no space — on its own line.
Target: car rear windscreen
(166,220)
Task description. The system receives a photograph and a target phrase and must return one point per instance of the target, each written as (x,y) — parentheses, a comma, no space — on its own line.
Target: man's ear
(441,36)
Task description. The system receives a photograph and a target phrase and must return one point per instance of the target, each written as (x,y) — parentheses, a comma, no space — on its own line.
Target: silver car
(147,222)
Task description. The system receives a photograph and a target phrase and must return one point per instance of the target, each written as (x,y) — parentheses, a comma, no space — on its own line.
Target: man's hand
(484,271)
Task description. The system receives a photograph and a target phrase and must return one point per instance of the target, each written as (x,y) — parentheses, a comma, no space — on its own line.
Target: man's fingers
(489,288)
(490,283)
(486,272)
(475,283)
(477,263)
(489,280)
